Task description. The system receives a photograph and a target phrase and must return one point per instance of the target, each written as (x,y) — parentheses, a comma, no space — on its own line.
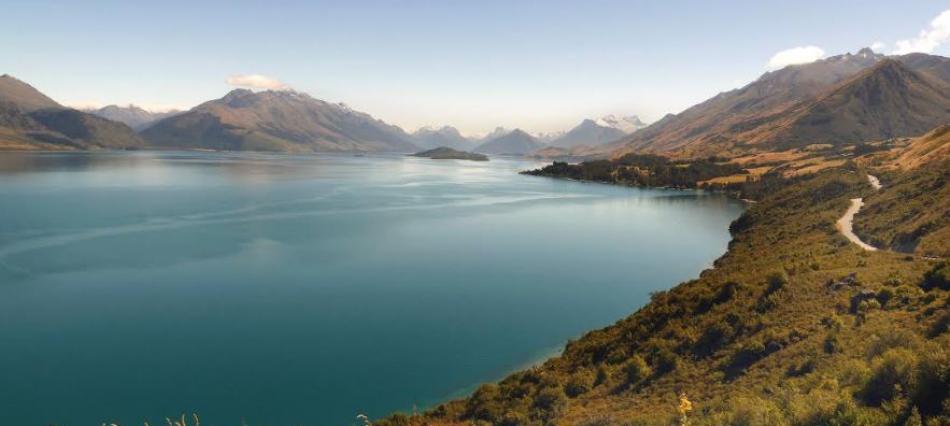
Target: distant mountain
(133,116)
(589,132)
(499,131)
(548,137)
(446,136)
(516,142)
(811,99)
(282,121)
(30,120)
(24,96)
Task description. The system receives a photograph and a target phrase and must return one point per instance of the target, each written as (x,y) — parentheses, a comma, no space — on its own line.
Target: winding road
(846,223)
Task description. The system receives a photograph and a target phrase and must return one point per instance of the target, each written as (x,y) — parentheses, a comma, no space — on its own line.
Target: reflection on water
(304,289)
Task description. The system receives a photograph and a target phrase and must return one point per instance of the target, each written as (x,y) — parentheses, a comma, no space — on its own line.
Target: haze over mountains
(445,136)
(131,115)
(598,132)
(516,142)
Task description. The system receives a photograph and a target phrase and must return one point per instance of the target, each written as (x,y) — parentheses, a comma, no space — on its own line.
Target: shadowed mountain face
(517,142)
(281,121)
(446,136)
(30,120)
(133,116)
(822,96)
(885,101)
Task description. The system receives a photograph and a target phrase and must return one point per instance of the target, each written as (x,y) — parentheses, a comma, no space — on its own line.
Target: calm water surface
(305,290)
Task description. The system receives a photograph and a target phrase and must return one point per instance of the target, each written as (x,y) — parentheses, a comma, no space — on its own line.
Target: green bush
(636,370)
(483,405)
(937,277)
(775,281)
(579,383)
(550,400)
(932,393)
(665,361)
(892,374)
(603,375)
(831,344)
(885,295)
(743,358)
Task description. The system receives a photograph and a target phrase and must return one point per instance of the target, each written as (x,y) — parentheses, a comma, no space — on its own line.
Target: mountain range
(131,115)
(516,142)
(839,100)
(593,132)
(445,136)
(31,120)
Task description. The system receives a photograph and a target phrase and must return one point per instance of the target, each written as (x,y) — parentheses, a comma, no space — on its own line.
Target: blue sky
(541,66)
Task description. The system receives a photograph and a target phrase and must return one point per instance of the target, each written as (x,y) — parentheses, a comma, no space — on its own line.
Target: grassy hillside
(794,325)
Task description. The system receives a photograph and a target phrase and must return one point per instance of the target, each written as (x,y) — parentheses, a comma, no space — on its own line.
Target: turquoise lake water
(304,290)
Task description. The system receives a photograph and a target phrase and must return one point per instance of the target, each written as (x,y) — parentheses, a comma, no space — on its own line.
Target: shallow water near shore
(307,289)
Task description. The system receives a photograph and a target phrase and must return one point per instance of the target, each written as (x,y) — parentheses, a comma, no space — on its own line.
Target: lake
(305,290)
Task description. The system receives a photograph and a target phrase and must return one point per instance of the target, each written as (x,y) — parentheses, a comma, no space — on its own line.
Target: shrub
(938,276)
(665,361)
(756,412)
(550,399)
(832,322)
(892,373)
(885,295)
(932,393)
(727,292)
(602,376)
(940,326)
(636,370)
(743,359)
(579,383)
(831,344)
(802,369)
(514,418)
(853,372)
(775,281)
(766,303)
(712,339)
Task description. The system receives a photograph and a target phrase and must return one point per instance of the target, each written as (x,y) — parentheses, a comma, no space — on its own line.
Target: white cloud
(929,39)
(795,55)
(256,81)
(878,46)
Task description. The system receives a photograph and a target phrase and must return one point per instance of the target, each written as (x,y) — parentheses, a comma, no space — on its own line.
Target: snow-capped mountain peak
(627,124)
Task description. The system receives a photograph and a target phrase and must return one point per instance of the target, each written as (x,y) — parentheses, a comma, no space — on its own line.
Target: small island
(446,153)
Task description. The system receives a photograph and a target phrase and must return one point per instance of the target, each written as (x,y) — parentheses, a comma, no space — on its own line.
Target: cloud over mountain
(795,55)
(256,82)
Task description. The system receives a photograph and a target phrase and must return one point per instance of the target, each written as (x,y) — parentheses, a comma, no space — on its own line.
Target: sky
(542,66)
